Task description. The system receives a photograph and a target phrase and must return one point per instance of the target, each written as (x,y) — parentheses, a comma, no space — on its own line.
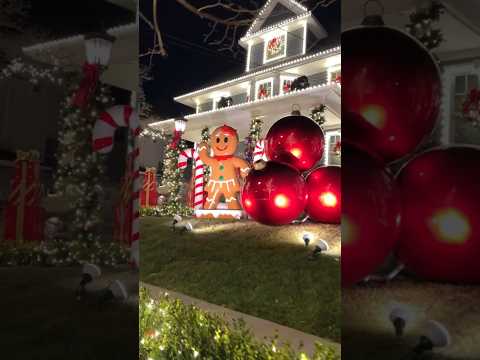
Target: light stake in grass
(115,291)
(320,247)
(176,220)
(307,238)
(399,317)
(435,335)
(89,272)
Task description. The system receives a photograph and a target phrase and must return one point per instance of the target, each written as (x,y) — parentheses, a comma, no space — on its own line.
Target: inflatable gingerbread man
(225,168)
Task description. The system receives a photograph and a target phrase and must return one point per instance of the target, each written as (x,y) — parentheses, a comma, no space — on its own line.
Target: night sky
(191,64)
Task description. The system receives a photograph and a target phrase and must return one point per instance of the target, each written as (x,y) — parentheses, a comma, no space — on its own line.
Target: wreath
(471,107)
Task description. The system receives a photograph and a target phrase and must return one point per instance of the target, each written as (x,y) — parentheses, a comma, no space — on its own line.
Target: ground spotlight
(115,291)
(307,237)
(320,246)
(89,272)
(175,221)
(434,335)
(399,317)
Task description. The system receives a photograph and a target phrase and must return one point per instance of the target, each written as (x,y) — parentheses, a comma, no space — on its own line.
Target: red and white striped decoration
(103,132)
(198,174)
(259,152)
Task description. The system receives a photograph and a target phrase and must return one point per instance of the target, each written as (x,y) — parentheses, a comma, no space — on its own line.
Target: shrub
(169,329)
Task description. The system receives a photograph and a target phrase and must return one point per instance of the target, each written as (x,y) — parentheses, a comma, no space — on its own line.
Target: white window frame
(331,70)
(285,77)
(263,81)
(269,37)
(328,135)
(249,54)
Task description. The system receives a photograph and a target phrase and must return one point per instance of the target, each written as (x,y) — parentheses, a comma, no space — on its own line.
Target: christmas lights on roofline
(252,75)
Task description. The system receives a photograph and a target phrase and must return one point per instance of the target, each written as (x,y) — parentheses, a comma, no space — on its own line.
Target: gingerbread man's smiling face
(224,141)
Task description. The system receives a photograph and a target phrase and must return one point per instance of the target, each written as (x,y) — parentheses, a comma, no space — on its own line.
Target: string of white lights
(260,72)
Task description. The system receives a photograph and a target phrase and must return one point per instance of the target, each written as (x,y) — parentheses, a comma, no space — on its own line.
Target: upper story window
(286,83)
(275,46)
(463,85)
(264,88)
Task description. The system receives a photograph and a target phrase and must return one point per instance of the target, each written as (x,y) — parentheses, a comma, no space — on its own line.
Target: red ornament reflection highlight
(440,232)
(324,194)
(295,140)
(274,194)
(370,215)
(392,91)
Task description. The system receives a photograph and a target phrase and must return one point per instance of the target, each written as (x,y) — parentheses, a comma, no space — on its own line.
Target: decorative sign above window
(275,47)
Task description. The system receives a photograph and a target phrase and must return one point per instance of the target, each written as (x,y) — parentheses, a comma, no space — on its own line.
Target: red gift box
(148,193)
(24,217)
(124,208)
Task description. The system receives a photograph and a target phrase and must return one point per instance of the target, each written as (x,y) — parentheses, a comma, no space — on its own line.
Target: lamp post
(180,126)
(98,49)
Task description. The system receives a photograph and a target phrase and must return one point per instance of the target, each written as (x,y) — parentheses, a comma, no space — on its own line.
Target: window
(263,88)
(463,85)
(334,74)
(332,145)
(286,83)
(275,46)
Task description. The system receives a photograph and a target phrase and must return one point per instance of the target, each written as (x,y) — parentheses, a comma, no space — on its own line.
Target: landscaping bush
(169,329)
(63,253)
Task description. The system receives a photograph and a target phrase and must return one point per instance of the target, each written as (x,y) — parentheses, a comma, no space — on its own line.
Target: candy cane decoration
(259,152)
(198,174)
(103,132)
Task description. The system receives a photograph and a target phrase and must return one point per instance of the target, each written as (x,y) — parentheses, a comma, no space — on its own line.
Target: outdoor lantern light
(98,48)
(180,125)
(306,238)
(115,291)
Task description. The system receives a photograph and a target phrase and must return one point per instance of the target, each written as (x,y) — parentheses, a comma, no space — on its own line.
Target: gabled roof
(294,8)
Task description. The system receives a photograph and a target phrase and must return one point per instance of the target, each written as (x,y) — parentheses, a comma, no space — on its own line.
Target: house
(284,42)
(458,57)
(34,127)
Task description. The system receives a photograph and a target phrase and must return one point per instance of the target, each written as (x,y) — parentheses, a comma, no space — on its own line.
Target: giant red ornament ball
(324,194)
(370,214)
(274,194)
(392,91)
(295,140)
(440,231)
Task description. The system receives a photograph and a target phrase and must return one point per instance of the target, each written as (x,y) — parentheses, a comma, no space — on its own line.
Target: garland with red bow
(91,75)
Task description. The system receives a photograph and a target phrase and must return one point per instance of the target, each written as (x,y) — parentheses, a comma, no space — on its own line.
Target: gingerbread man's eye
(225,139)
(218,140)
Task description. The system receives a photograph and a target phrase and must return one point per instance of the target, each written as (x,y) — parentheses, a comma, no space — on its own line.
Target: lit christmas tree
(80,170)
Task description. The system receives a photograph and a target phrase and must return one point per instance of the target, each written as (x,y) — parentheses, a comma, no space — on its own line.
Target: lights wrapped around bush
(153,211)
(169,329)
(64,253)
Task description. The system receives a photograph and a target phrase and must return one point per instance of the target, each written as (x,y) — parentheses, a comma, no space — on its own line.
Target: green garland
(172,179)
(169,329)
(421,22)
(64,253)
(80,171)
(206,138)
(252,138)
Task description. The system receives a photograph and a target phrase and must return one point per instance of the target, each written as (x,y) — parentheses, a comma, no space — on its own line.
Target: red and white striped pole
(103,133)
(197,174)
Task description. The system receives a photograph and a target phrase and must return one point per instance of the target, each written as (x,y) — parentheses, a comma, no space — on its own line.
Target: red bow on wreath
(338,148)
(87,87)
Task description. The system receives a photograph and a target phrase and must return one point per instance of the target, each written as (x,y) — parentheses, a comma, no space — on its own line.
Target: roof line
(116,30)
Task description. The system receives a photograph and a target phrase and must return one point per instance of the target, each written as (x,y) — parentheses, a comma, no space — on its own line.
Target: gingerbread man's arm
(203,154)
(242,165)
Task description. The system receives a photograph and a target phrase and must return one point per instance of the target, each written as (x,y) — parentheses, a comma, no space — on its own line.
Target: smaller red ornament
(274,193)
(295,140)
(324,194)
(440,231)
(370,215)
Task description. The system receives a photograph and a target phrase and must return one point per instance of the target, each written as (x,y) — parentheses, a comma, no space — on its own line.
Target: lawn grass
(40,318)
(259,270)
(367,333)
